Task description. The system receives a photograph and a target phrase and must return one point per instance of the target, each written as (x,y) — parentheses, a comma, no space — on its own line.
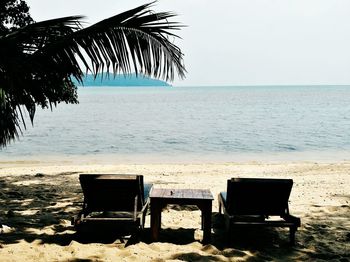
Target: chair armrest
(222,203)
(145,206)
(147,189)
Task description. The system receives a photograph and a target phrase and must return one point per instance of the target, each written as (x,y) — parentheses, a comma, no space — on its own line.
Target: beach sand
(37,201)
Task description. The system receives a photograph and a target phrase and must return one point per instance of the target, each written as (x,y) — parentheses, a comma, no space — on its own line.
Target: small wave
(173,142)
(287,147)
(96,151)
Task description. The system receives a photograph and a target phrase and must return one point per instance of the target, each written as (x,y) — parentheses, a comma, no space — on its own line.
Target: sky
(243,42)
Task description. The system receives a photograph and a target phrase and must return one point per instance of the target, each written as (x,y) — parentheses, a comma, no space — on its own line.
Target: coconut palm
(39,61)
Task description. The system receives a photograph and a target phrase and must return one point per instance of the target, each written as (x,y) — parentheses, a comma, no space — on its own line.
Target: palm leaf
(136,40)
(38,61)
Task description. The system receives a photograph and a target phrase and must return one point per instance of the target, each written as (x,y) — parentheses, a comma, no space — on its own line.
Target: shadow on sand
(39,208)
(29,204)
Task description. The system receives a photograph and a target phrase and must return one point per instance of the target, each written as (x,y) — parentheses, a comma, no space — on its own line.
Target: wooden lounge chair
(251,202)
(113,200)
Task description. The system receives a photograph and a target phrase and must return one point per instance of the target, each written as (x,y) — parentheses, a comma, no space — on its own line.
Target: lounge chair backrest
(112,192)
(258,196)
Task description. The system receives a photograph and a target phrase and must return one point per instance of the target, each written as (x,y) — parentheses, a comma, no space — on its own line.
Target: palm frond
(38,61)
(136,40)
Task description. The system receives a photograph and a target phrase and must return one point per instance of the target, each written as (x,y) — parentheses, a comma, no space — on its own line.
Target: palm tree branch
(108,42)
(38,61)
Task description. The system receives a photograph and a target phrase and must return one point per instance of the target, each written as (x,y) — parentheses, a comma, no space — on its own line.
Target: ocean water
(210,123)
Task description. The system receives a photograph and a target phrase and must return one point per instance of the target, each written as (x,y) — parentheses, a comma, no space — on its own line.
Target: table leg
(206,222)
(156,213)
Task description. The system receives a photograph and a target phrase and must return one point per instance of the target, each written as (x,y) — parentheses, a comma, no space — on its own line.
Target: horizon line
(260,85)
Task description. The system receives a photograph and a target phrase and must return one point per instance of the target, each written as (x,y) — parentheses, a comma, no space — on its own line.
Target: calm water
(193,121)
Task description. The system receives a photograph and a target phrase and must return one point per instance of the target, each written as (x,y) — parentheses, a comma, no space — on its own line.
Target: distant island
(120,80)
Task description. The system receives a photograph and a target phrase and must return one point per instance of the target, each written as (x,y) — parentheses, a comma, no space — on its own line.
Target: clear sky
(243,42)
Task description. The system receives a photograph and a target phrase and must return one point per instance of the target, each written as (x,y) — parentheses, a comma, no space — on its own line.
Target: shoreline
(181,158)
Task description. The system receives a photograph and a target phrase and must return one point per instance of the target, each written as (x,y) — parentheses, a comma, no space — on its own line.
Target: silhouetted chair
(113,201)
(251,202)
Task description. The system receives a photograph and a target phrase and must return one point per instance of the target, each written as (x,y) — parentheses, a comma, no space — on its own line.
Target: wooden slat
(108,219)
(181,193)
(264,223)
(110,176)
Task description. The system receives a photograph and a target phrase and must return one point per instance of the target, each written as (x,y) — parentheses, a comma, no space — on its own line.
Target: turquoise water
(193,121)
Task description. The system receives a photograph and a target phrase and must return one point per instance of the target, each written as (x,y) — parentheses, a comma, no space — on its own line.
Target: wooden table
(160,197)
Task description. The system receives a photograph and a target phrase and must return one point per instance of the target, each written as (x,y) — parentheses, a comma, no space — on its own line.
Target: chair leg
(292,231)
(202,221)
(134,238)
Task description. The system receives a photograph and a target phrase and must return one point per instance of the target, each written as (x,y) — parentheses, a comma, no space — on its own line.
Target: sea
(191,124)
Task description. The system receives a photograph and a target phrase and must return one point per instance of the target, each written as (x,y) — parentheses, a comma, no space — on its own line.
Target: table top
(177,193)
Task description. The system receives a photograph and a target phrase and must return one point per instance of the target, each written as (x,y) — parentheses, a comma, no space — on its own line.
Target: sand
(37,201)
